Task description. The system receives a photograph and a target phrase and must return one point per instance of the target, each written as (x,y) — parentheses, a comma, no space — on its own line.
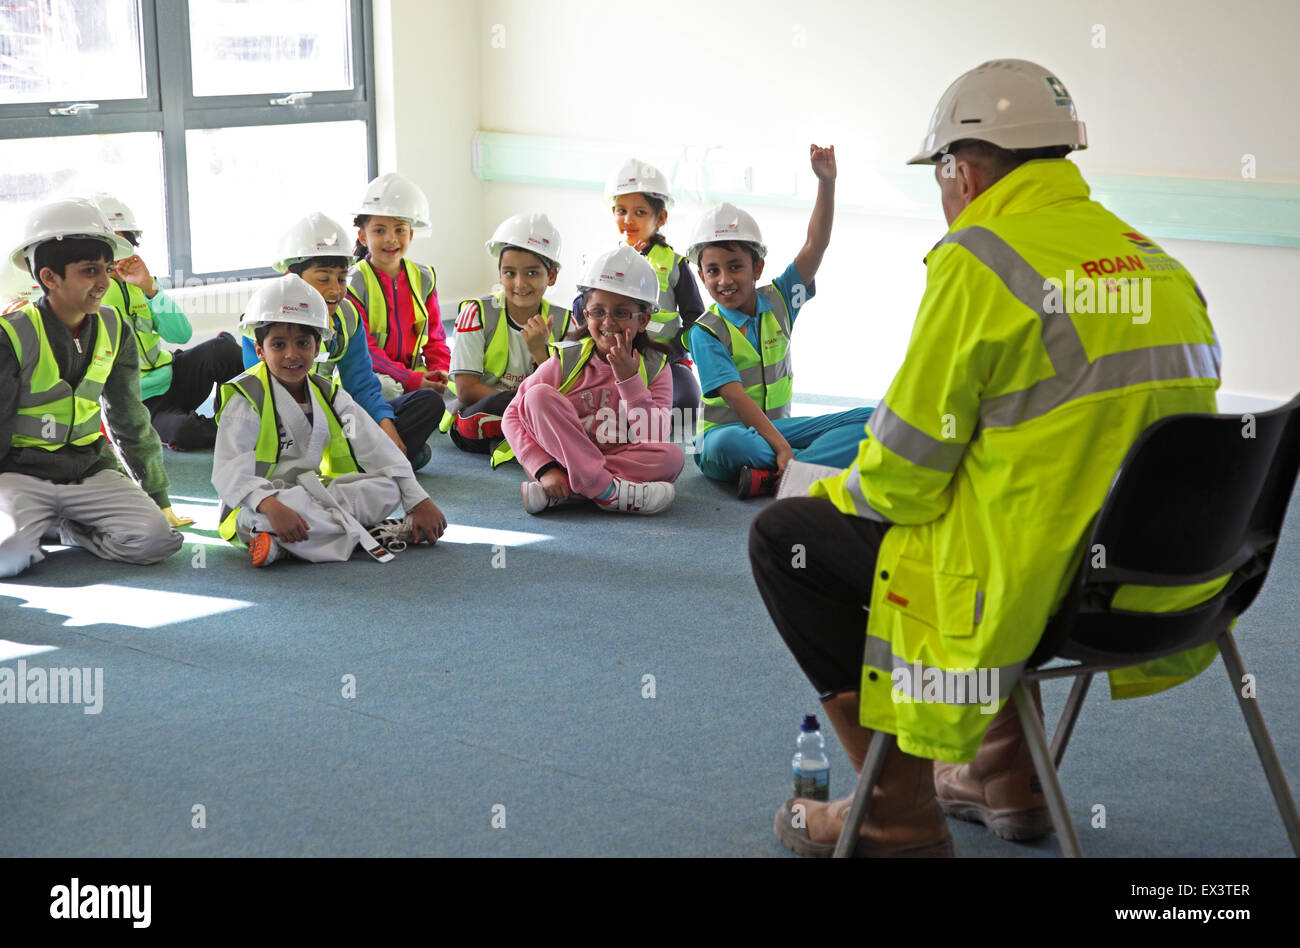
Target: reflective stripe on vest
(133,306)
(496,354)
(346,320)
(665,325)
(573,358)
(50,412)
(255,385)
(364,285)
(767,379)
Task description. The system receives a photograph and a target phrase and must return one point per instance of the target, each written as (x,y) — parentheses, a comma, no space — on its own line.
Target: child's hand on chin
(622,358)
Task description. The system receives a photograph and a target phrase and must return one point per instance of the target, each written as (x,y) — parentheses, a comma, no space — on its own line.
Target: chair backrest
(1198,497)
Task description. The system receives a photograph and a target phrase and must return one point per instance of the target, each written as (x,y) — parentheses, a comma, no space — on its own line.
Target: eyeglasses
(622,315)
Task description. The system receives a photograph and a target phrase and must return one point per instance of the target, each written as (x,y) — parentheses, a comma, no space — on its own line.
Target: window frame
(169,107)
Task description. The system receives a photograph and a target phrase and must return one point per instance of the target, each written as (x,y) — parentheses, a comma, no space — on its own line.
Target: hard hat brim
(120,246)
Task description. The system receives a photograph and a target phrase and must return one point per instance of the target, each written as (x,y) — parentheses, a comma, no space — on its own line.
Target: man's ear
(47,278)
(554,272)
(758,268)
(970,181)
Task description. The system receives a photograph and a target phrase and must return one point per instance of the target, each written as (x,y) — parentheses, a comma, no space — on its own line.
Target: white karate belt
(312,485)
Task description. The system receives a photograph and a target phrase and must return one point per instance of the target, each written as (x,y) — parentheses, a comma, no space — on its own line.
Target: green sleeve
(169,319)
(128,421)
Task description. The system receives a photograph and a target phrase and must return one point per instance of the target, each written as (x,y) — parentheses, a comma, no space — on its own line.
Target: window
(219,122)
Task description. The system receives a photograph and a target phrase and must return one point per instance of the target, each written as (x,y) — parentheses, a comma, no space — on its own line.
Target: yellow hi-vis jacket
(998,440)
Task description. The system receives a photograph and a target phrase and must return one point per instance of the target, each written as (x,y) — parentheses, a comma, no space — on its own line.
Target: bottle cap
(810,723)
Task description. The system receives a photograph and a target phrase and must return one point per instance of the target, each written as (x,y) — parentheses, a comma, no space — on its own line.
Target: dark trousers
(194,373)
(686,387)
(493,406)
(416,417)
(814,568)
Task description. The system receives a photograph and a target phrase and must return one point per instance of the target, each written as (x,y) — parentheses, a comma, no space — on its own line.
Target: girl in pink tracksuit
(593,420)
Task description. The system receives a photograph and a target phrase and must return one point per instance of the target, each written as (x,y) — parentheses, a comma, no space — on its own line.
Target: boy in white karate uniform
(300,468)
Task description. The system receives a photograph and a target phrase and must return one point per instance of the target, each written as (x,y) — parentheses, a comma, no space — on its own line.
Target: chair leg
(1069,715)
(1037,742)
(1263,743)
(881,743)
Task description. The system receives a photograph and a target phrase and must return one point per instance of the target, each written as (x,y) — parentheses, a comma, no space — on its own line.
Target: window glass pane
(247,185)
(241,47)
(56,50)
(128,166)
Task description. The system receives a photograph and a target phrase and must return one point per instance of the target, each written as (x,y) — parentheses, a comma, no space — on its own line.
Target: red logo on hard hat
(617,274)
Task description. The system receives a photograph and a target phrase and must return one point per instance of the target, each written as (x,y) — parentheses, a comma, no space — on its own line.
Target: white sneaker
(393,535)
(642,497)
(535,497)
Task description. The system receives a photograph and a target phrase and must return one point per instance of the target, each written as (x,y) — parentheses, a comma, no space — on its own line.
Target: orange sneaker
(263,549)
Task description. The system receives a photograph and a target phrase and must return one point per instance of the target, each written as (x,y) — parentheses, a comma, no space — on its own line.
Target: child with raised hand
(741,347)
(299,467)
(172,384)
(594,421)
(316,249)
(397,298)
(502,337)
(640,199)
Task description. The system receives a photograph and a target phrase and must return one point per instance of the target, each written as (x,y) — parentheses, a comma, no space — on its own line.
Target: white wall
(1181,88)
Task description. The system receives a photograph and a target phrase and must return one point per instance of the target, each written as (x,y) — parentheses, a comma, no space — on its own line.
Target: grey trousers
(106,514)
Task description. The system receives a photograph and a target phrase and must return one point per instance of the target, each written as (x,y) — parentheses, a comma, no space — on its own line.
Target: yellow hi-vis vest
(665,325)
(50,412)
(496,354)
(364,287)
(255,385)
(573,358)
(767,379)
(132,305)
(998,440)
(346,322)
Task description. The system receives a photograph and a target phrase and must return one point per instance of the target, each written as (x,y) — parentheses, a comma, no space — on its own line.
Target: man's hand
(427,522)
(535,332)
(823,162)
(285,522)
(176,520)
(556,484)
(622,357)
(390,429)
(134,271)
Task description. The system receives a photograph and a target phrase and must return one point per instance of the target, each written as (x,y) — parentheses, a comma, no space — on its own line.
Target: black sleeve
(689,305)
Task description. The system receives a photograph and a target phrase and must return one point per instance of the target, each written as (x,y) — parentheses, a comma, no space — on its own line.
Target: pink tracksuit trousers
(582,431)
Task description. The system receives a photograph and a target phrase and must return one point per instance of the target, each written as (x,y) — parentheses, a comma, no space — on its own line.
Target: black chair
(1197,498)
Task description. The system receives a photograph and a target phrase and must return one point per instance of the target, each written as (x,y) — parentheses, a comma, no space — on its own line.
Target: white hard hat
(316,235)
(288,299)
(532,232)
(117,214)
(1011,103)
(638,177)
(17,286)
(623,271)
(59,220)
(395,195)
(724,223)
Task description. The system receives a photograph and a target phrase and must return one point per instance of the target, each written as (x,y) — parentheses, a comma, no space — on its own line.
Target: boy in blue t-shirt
(741,350)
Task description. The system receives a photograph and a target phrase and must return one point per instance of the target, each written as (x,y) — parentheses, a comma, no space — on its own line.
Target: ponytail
(360,250)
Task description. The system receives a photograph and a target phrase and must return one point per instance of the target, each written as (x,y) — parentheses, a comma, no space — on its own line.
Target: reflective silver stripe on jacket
(251,386)
(952,683)
(1075,376)
(913,443)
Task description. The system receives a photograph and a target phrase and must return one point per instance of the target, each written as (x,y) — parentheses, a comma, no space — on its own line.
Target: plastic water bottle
(812,769)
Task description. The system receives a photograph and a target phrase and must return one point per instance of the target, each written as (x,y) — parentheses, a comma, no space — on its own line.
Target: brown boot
(904,819)
(998,788)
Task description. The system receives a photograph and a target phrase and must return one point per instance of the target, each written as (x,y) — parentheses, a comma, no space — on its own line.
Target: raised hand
(823,162)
